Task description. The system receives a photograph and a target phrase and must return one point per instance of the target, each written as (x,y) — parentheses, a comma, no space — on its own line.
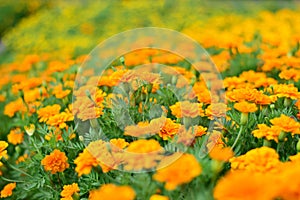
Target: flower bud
(282,136)
(267,143)
(30,129)
(244,118)
(298,145)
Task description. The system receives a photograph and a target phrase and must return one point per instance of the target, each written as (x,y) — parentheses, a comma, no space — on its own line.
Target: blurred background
(72,28)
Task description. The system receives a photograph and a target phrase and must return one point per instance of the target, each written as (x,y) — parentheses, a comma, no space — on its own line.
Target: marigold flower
(59,92)
(169,129)
(142,154)
(269,133)
(247,186)
(15,106)
(3,152)
(183,170)
(119,143)
(69,190)
(289,74)
(112,192)
(284,90)
(15,136)
(45,113)
(7,190)
(59,120)
(216,110)
(85,162)
(245,107)
(287,124)
(55,162)
(221,153)
(263,160)
(186,109)
(158,197)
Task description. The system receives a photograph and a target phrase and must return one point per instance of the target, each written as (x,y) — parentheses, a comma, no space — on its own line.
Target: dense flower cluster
(137,130)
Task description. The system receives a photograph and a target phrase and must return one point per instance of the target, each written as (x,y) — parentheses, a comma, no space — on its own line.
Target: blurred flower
(112,192)
(7,190)
(15,136)
(181,171)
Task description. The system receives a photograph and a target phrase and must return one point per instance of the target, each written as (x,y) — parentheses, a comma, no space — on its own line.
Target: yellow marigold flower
(269,133)
(85,162)
(287,124)
(15,106)
(221,153)
(247,186)
(186,109)
(245,107)
(15,136)
(119,143)
(55,162)
(142,154)
(183,170)
(263,160)
(158,197)
(3,152)
(112,192)
(7,190)
(45,113)
(68,191)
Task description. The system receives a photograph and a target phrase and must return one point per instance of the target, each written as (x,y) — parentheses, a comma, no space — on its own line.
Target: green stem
(237,138)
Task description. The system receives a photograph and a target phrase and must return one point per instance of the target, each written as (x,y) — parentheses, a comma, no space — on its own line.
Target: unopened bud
(244,118)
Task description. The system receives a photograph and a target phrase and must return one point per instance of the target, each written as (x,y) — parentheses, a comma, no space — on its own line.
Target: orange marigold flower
(59,120)
(142,154)
(15,136)
(245,107)
(85,162)
(287,124)
(69,190)
(112,192)
(59,92)
(297,104)
(200,130)
(55,162)
(221,153)
(7,190)
(186,109)
(216,110)
(269,133)
(284,90)
(263,160)
(45,113)
(158,197)
(15,106)
(249,186)
(183,170)
(169,129)
(289,74)
(119,143)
